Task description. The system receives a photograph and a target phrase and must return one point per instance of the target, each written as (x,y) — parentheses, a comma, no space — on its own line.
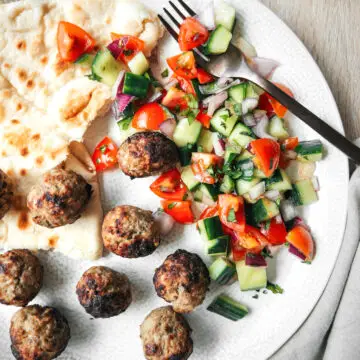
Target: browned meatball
(130,232)
(182,280)
(6,194)
(166,335)
(38,332)
(147,153)
(21,277)
(59,198)
(104,292)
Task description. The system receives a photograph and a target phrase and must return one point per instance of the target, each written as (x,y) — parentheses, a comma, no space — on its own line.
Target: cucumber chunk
(227,186)
(243,186)
(241,135)
(210,228)
(225,15)
(228,308)
(85,59)
(303,193)
(205,142)
(251,91)
(222,122)
(196,86)
(219,41)
(209,191)
(251,277)
(218,247)
(238,92)
(310,150)
(189,179)
(106,68)
(245,155)
(231,153)
(279,181)
(185,154)
(222,270)
(136,85)
(264,209)
(186,133)
(277,128)
(139,64)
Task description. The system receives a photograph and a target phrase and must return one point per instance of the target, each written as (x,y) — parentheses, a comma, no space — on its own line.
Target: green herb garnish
(103,148)
(266,253)
(200,148)
(171,205)
(165,73)
(274,288)
(306,262)
(94,77)
(185,196)
(231,217)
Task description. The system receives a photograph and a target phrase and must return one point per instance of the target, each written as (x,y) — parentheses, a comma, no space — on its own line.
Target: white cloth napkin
(332,330)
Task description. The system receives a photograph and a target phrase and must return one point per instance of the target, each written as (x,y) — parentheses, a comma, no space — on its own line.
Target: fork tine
(171,31)
(177,10)
(171,17)
(187,8)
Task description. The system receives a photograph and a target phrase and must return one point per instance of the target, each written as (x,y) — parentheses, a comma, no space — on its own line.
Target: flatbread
(45,104)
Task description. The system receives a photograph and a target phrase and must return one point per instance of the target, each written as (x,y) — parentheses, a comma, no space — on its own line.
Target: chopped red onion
(227,86)
(156,96)
(315,182)
(249,104)
(207,16)
(287,210)
(255,260)
(261,128)
(215,101)
(298,221)
(272,194)
(293,250)
(117,87)
(256,191)
(264,67)
(224,81)
(259,114)
(167,127)
(114,47)
(278,219)
(219,145)
(249,120)
(120,104)
(170,84)
(164,222)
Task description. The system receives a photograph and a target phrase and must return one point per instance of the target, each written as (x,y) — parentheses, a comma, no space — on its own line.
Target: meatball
(21,277)
(147,153)
(166,335)
(38,332)
(59,198)
(130,232)
(182,280)
(104,292)
(6,194)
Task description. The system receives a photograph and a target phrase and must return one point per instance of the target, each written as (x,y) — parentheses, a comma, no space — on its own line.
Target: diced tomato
(251,239)
(104,156)
(204,118)
(183,65)
(203,76)
(265,104)
(290,143)
(210,211)
(73,41)
(130,46)
(302,240)
(204,166)
(179,210)
(275,232)
(175,98)
(267,155)
(279,109)
(192,34)
(238,252)
(149,117)
(185,85)
(232,213)
(169,186)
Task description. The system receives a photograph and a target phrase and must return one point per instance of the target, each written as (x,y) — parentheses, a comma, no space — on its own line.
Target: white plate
(273,318)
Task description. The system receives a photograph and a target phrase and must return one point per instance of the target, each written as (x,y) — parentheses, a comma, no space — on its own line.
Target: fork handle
(320,126)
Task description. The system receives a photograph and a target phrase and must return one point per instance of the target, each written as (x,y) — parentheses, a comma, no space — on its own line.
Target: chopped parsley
(306,262)
(287,244)
(231,217)
(274,288)
(128,52)
(211,170)
(185,196)
(171,205)
(165,73)
(266,253)
(98,161)
(271,163)
(200,148)
(94,77)
(103,148)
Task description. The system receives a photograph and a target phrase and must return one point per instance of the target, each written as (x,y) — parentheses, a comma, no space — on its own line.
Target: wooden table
(330,29)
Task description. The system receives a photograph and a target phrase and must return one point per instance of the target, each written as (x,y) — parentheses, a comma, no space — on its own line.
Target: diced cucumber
(238,92)
(219,41)
(198,195)
(210,228)
(228,308)
(231,153)
(86,59)
(196,86)
(227,186)
(224,15)
(126,129)
(233,107)
(136,85)
(218,247)
(251,277)
(241,135)
(210,88)
(222,270)
(205,142)
(139,64)
(105,67)
(243,186)
(279,181)
(185,154)
(222,122)
(264,209)
(259,174)
(189,179)
(186,133)
(245,155)
(277,128)
(210,191)
(251,91)
(310,150)
(303,193)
